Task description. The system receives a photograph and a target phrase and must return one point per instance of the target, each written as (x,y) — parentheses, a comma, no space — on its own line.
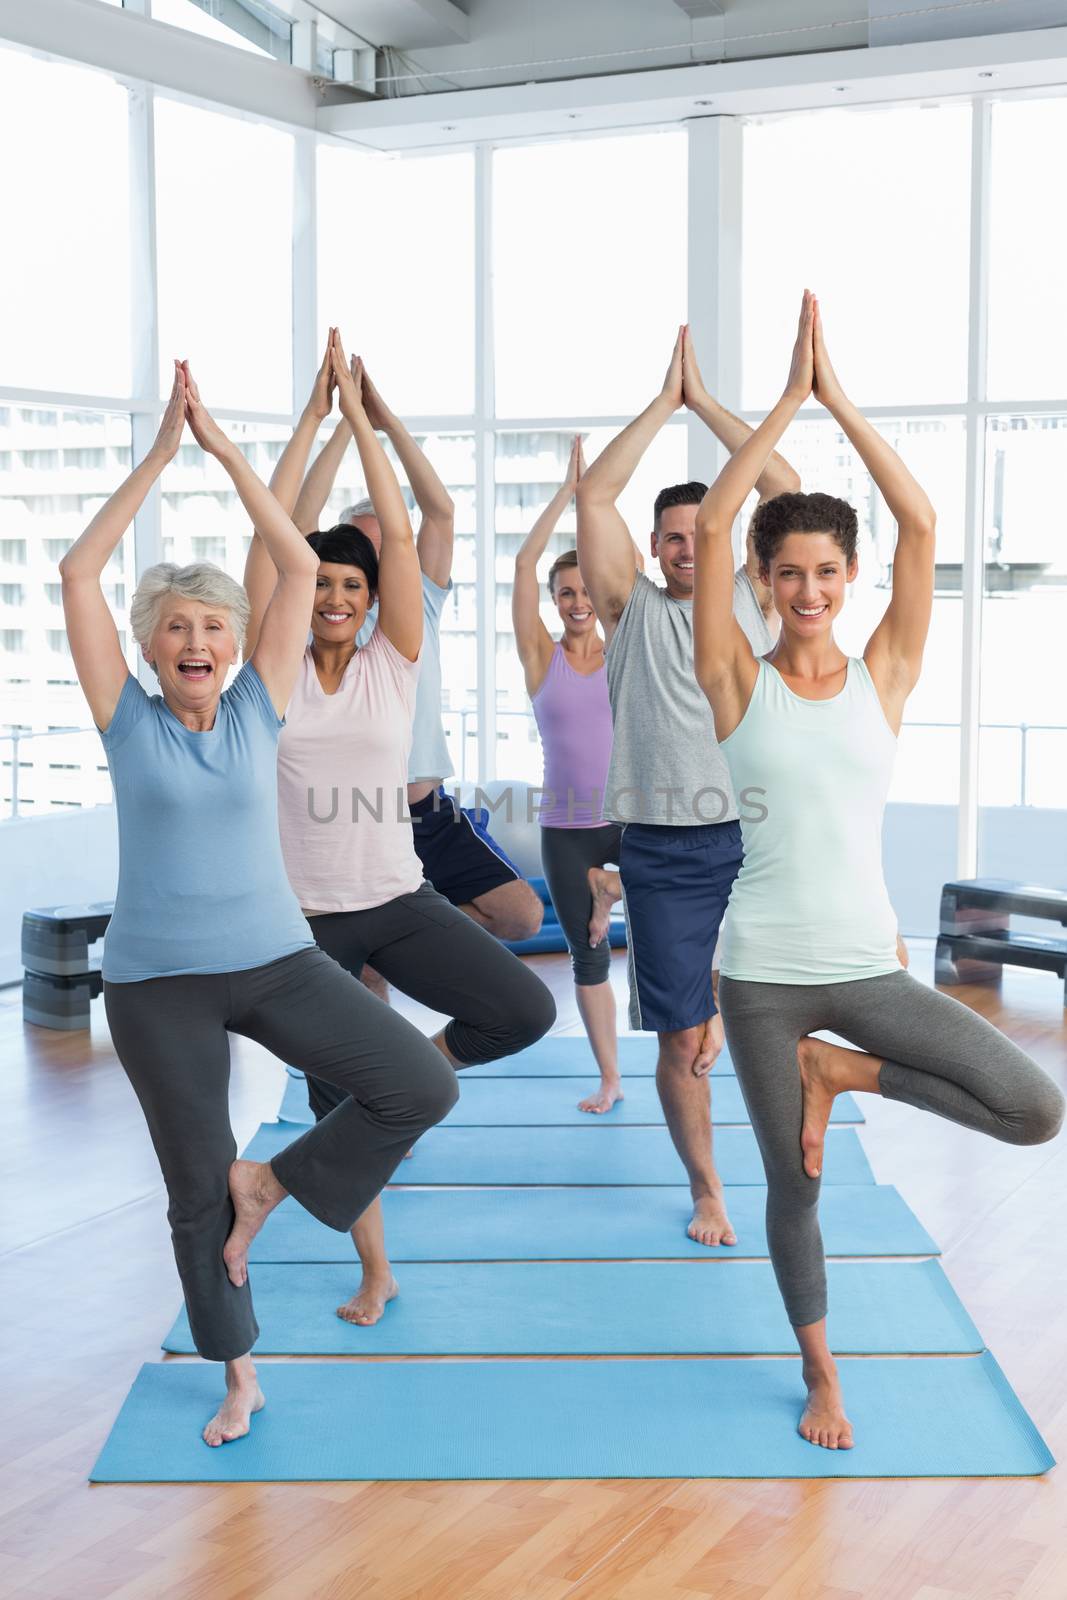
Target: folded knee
(1043,1119)
(534,1014)
(437,1093)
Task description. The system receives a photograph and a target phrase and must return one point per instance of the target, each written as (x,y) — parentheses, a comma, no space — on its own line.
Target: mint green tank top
(809,904)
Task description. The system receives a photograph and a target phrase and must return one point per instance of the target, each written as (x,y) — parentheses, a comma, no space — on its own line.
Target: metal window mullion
(974,502)
(144,327)
(305,268)
(484,445)
(714,257)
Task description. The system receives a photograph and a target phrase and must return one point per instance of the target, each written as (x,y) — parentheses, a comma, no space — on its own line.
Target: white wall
(52,860)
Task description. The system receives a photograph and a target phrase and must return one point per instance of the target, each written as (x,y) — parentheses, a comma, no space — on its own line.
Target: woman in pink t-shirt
(567,684)
(342,782)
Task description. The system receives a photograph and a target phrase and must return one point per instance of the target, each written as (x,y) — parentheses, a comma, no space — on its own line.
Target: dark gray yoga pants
(566,856)
(936,1054)
(435,953)
(171,1037)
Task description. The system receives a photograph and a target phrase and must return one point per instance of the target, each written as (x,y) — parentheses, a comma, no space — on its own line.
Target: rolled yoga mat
(564,1308)
(358,1420)
(613,1155)
(590,1224)
(553,1103)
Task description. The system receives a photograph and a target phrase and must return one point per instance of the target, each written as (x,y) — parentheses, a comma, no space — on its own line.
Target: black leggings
(566,856)
(435,953)
(171,1037)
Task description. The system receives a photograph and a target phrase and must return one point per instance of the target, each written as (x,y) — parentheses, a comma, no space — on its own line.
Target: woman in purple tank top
(567,684)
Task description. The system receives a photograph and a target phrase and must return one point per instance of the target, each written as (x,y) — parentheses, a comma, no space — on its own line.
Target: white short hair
(362,508)
(201,581)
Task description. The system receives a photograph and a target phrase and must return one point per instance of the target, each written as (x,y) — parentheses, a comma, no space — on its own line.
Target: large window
(65,264)
(396,272)
(589,272)
(57,467)
(871,210)
(224,252)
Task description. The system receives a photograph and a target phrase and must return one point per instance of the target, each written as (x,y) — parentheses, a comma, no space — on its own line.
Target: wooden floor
(88,1289)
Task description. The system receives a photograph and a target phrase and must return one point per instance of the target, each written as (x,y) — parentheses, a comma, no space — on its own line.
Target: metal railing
(466,717)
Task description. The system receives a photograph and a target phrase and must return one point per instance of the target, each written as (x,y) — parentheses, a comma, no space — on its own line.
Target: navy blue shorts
(675,885)
(459,855)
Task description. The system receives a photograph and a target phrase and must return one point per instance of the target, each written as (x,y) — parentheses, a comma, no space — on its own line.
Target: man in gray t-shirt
(668,782)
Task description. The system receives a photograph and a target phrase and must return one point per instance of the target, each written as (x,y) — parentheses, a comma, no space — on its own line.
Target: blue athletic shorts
(459,855)
(675,885)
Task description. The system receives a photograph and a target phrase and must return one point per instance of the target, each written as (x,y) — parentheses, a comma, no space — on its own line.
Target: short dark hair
(774,520)
(348,547)
(678,494)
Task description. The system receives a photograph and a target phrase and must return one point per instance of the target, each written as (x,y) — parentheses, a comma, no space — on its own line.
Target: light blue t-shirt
(429,747)
(202,884)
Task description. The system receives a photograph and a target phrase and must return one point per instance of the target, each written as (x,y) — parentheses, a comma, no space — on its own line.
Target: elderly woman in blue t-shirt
(207,937)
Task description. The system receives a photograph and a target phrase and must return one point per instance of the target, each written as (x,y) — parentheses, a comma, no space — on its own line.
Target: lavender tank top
(574,719)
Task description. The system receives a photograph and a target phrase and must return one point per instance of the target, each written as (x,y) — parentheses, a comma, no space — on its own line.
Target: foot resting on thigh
(710,1224)
(243,1399)
(605,888)
(826,1070)
(824,1421)
(605,1097)
(255,1191)
(370,1300)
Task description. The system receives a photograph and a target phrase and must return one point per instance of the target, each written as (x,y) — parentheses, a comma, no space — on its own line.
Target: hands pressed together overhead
(185,406)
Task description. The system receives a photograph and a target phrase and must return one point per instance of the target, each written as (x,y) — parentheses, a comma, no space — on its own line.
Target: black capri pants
(171,1037)
(435,953)
(566,856)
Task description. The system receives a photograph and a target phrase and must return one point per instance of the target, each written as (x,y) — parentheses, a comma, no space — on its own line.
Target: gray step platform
(976,938)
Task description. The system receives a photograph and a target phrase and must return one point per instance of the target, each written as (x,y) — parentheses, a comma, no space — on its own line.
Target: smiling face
(192,648)
(672,546)
(809,578)
(573,603)
(342,599)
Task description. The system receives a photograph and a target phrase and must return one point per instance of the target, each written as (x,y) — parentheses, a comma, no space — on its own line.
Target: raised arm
(777,477)
(437,529)
(605,549)
(260,574)
(318,485)
(94,639)
(532,639)
(725,666)
(283,631)
(399,575)
(894,651)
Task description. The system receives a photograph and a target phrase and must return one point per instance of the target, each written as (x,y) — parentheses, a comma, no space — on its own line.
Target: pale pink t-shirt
(342,783)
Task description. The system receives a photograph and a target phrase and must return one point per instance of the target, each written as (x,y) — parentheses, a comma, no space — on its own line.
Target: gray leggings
(936,1054)
(566,856)
(435,953)
(171,1037)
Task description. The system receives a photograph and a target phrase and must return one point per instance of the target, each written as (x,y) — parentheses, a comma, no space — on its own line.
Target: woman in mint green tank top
(809,735)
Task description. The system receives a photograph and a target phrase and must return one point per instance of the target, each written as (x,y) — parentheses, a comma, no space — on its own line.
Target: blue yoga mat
(514,1156)
(569,1056)
(922,1416)
(590,1224)
(564,1308)
(553,1103)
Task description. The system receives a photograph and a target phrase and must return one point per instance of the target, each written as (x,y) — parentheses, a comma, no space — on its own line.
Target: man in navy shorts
(668,782)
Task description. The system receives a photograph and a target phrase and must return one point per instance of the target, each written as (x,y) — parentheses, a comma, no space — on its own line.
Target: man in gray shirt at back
(668,782)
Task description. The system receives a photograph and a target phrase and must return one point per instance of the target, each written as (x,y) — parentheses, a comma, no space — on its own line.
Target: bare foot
(605,1097)
(710,1224)
(255,1191)
(816,1059)
(605,888)
(824,1421)
(234,1417)
(369,1302)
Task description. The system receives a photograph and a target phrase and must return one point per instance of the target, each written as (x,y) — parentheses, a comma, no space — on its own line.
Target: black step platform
(61,975)
(976,938)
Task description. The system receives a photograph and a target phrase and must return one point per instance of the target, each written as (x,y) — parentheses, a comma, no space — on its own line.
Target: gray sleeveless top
(666,767)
